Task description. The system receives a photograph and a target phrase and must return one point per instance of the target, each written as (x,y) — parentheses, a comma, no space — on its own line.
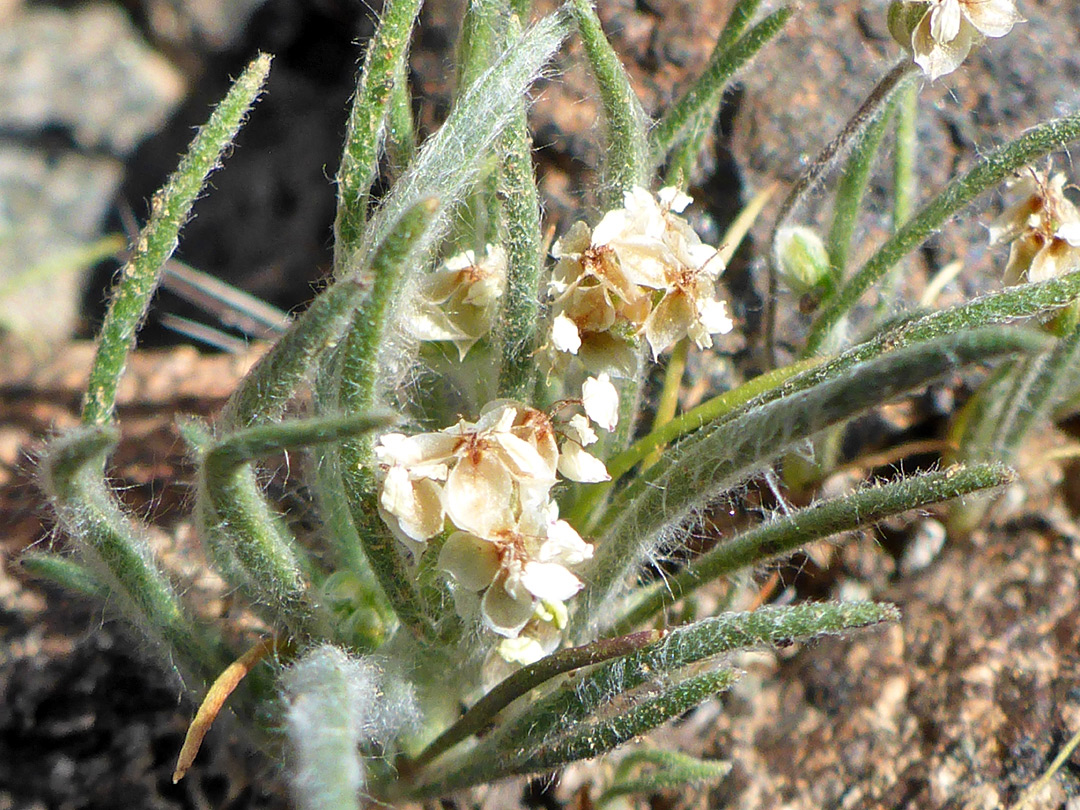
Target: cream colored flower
(519,569)
(506,463)
(410,493)
(596,306)
(1042,229)
(688,309)
(949,29)
(459,301)
(642,267)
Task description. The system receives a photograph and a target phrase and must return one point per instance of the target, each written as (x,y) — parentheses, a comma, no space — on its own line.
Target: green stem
(706,90)
(987,173)
(384,62)
(169,211)
(817,522)
(627,158)
(717,458)
(867,113)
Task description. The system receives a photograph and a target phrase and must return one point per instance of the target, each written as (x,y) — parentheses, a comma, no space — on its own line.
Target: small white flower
(1042,229)
(518,569)
(949,29)
(601,401)
(459,301)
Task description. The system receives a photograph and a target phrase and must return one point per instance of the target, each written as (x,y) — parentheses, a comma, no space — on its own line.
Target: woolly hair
(338,705)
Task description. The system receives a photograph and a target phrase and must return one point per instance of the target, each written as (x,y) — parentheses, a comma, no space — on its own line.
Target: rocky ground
(960,706)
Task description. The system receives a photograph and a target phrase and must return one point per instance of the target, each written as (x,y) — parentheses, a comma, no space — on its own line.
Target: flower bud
(904,18)
(804,262)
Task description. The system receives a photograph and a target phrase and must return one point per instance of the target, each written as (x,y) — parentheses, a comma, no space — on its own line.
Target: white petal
(472,562)
(462,260)
(550,581)
(673,199)
(714,318)
(992,18)
(564,334)
(1070,232)
(601,401)
(522,458)
(936,58)
(612,226)
(564,545)
(669,322)
(578,465)
(581,431)
(506,613)
(417,505)
(945,19)
(416,453)
(477,496)
(574,242)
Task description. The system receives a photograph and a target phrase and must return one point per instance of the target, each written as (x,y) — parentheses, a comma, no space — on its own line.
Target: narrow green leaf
(246,445)
(850,191)
(986,174)
(907,143)
(707,88)
(482,38)
(170,208)
(349,479)
(719,457)
(661,769)
(683,425)
(606,702)
(1049,372)
(526,679)
(614,729)
(66,572)
(626,160)
(524,247)
(266,390)
(400,127)
(450,161)
(119,554)
(824,519)
(384,63)
(995,309)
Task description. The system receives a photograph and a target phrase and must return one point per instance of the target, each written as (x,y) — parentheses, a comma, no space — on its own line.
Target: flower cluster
(641,270)
(941,33)
(459,301)
(508,554)
(1042,229)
